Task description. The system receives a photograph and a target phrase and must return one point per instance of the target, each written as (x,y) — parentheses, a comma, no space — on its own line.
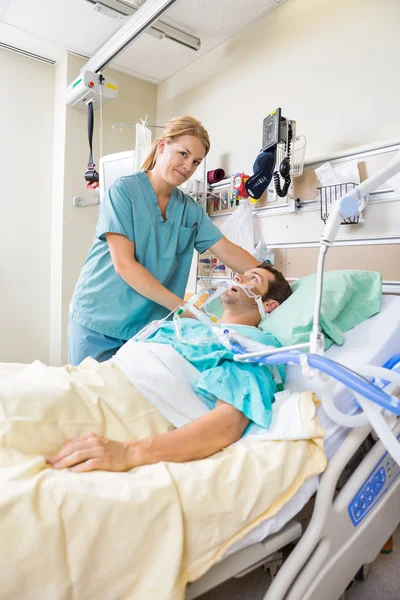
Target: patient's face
(257,278)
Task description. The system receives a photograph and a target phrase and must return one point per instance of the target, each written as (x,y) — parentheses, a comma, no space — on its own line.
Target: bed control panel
(374,487)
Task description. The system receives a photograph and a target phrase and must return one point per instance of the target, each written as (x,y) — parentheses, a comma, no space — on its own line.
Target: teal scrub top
(249,387)
(102,301)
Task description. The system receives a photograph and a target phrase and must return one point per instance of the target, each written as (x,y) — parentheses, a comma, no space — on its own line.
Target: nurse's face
(178,160)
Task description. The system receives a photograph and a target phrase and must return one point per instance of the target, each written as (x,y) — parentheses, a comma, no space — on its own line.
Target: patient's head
(267,282)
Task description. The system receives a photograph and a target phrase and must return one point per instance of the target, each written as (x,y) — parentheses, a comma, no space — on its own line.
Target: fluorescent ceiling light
(128,33)
(122,11)
(109,12)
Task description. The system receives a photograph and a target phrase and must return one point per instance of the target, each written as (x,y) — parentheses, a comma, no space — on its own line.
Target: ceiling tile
(72,23)
(51,27)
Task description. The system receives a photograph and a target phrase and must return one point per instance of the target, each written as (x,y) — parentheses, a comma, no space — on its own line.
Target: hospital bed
(351,520)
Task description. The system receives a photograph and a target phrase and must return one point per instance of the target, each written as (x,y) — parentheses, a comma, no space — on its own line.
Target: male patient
(224,386)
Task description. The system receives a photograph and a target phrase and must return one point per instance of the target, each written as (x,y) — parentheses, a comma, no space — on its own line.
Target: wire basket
(329,194)
(297,153)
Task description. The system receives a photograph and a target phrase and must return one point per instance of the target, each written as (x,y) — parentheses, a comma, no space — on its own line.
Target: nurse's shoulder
(132,183)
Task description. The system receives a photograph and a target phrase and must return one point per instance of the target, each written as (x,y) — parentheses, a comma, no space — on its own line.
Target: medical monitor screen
(114,166)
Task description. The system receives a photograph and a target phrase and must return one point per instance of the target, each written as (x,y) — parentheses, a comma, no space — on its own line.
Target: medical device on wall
(91,90)
(91,87)
(83,89)
(281,156)
(113,166)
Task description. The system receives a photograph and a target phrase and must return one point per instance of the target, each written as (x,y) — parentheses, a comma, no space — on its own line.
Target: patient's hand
(202,437)
(90,453)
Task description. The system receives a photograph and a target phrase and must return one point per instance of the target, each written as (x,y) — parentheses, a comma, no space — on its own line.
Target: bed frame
(335,545)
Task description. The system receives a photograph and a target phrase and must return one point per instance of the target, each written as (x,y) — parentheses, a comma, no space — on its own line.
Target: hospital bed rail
(332,549)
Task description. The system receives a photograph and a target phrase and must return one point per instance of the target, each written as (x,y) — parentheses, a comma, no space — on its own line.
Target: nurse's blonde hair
(174,129)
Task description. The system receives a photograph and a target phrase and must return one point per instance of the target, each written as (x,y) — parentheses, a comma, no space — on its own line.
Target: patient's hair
(278,289)
(174,129)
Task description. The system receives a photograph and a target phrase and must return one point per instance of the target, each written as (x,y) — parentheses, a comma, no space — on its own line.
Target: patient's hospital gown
(249,387)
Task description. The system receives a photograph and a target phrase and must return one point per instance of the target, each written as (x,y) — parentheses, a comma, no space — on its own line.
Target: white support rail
(147,14)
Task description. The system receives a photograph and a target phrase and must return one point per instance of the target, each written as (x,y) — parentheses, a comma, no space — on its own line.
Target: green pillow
(349,297)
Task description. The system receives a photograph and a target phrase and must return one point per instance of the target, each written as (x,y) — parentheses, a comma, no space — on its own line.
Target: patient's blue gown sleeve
(248,387)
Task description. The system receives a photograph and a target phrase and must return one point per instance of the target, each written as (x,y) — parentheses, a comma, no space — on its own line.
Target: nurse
(138,266)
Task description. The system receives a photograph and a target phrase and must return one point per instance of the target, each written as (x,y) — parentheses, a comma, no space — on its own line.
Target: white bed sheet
(372,342)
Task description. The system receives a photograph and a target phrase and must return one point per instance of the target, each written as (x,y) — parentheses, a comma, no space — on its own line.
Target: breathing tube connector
(207,319)
(202,317)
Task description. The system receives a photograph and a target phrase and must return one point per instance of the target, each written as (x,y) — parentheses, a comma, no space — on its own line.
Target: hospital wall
(329,65)
(76,226)
(26,157)
(44,238)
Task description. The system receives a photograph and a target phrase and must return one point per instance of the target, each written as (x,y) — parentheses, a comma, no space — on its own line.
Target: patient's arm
(201,438)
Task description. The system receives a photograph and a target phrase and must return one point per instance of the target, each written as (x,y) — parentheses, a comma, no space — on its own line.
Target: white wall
(44,239)
(297,57)
(135,99)
(329,64)
(26,150)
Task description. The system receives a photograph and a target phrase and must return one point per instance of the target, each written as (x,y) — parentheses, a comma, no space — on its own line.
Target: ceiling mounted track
(137,21)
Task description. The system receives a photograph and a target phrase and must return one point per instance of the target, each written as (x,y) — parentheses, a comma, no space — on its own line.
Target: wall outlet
(292,203)
(272,196)
(271,257)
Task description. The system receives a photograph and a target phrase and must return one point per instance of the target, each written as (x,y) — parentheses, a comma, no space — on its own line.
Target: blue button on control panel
(373,488)
(366,495)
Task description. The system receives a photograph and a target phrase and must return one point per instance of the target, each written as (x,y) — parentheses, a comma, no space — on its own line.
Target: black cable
(284,168)
(91,174)
(90,132)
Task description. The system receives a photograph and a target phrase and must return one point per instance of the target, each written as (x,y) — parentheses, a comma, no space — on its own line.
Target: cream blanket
(140,535)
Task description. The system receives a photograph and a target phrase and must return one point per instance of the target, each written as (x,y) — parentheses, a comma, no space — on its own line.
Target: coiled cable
(284,168)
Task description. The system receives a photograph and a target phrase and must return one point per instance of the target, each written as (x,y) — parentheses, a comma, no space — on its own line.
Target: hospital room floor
(382,581)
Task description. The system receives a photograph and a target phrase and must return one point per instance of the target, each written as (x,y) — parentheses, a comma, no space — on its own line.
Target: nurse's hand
(90,453)
(187,315)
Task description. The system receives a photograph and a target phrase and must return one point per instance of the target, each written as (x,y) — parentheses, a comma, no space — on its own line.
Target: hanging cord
(101,117)
(284,168)
(90,134)
(91,175)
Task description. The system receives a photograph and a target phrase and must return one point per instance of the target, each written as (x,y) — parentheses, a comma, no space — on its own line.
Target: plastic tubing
(392,362)
(352,380)
(223,287)
(336,415)
(147,331)
(377,420)
(381,428)
(389,364)
(177,327)
(203,318)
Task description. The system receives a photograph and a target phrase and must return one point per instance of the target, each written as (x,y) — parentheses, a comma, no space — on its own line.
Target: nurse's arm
(202,437)
(136,275)
(233,256)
